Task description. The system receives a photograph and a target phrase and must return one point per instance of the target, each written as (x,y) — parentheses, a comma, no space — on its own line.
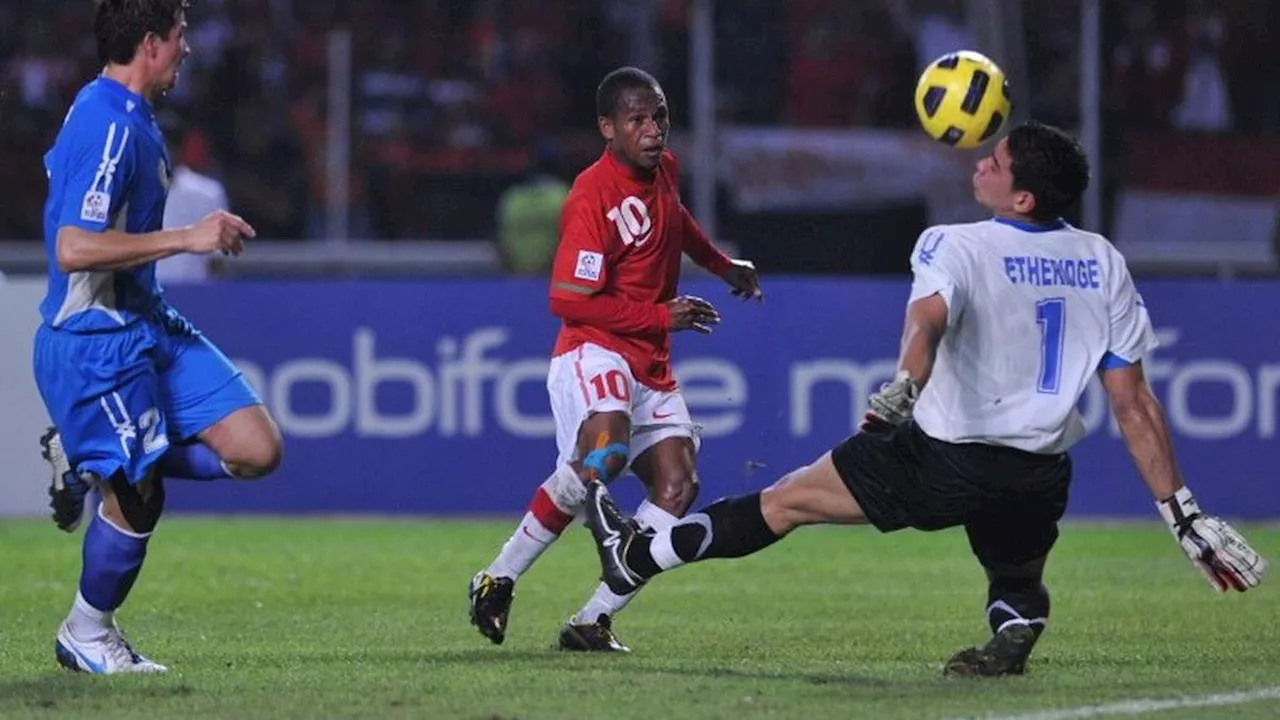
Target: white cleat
(107,655)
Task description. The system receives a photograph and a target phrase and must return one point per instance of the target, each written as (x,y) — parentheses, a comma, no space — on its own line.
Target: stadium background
(380,313)
(395,154)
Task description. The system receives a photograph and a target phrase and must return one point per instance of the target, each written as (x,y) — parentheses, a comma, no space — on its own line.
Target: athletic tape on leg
(598,461)
(566,490)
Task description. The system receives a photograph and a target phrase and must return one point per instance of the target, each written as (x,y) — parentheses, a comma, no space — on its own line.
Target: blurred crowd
(450,92)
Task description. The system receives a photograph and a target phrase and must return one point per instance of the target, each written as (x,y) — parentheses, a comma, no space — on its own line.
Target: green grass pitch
(367,618)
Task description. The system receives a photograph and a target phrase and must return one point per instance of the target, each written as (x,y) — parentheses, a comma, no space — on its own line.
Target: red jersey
(622,236)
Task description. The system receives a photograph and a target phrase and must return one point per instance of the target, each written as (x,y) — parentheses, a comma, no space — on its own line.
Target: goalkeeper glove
(1226,560)
(892,405)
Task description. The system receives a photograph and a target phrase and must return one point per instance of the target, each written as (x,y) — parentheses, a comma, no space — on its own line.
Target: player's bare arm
(921,332)
(1212,545)
(925,324)
(81,250)
(1145,431)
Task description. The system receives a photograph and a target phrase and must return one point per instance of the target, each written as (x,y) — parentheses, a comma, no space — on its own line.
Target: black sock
(639,559)
(728,528)
(1023,600)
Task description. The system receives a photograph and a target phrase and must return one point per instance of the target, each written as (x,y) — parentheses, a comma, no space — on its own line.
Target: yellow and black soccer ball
(962,99)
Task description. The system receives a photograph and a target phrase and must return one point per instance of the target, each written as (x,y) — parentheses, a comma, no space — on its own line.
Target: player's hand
(219,231)
(692,313)
(892,405)
(1221,553)
(744,279)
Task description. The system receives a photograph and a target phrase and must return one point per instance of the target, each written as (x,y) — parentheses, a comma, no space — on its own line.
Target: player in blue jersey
(135,391)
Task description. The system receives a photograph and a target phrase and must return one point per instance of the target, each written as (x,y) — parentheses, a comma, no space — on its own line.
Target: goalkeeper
(1007,321)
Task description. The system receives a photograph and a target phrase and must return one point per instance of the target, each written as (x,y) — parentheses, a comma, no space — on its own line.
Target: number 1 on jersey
(1051,314)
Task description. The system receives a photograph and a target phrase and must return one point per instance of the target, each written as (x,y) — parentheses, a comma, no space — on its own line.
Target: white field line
(1145,706)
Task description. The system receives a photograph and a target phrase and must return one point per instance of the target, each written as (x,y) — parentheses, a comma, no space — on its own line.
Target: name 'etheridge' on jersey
(1033,312)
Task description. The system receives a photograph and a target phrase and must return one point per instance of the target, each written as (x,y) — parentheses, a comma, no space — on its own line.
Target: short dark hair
(1049,164)
(119,26)
(609,93)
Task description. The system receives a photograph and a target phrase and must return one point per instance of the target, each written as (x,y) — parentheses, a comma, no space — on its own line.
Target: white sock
(86,622)
(653,517)
(522,549)
(551,511)
(606,601)
(663,554)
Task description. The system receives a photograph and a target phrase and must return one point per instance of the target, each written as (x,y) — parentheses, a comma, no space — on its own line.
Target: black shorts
(1009,501)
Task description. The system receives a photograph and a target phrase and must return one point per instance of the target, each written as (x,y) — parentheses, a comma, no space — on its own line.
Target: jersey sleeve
(694,241)
(699,247)
(100,160)
(939,265)
(1131,335)
(580,268)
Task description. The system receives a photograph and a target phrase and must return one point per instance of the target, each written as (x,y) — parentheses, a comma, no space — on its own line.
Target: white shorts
(590,379)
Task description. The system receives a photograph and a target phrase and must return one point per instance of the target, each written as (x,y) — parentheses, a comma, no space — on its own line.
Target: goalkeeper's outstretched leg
(729,528)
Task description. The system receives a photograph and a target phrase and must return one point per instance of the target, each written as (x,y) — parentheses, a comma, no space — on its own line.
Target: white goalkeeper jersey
(1033,311)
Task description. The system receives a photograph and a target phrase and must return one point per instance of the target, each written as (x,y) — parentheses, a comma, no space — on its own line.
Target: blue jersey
(108,169)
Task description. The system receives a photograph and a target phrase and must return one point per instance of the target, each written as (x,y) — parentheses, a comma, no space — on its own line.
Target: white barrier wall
(24,475)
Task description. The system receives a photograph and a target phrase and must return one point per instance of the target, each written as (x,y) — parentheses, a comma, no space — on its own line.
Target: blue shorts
(119,398)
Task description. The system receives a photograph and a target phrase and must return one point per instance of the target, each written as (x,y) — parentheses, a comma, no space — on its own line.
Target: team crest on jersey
(929,248)
(96,207)
(589,265)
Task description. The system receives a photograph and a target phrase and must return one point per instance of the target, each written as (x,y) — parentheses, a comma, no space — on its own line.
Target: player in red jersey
(623,233)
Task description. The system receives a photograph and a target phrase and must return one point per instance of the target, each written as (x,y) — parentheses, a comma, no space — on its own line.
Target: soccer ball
(962,99)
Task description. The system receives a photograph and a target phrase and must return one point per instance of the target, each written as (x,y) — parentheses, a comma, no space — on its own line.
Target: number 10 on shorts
(611,384)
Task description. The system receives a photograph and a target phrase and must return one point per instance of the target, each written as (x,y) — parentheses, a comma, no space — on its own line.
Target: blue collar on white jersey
(117,88)
(1050,226)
